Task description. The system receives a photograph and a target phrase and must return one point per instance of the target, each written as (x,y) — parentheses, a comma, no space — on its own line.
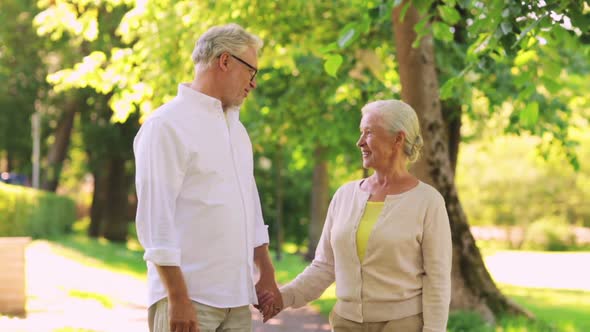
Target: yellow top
(368,220)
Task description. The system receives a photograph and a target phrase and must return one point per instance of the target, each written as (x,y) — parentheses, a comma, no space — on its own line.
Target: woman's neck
(390,182)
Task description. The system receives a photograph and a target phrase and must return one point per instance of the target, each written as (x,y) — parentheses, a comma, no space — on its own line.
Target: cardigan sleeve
(437,254)
(319,275)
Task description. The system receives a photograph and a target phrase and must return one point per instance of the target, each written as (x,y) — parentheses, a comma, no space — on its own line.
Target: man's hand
(269,298)
(270,301)
(182,316)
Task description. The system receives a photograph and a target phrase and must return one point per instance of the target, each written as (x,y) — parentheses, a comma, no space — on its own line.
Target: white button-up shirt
(198,206)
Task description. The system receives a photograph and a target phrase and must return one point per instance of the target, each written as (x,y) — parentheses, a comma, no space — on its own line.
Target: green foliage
(504,180)
(550,233)
(22,74)
(30,212)
(513,52)
(465,321)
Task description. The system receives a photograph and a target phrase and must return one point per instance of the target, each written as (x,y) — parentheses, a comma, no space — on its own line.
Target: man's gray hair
(230,38)
(398,116)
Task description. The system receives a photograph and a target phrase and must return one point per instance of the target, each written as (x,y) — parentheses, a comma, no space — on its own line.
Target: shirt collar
(209,103)
(196,97)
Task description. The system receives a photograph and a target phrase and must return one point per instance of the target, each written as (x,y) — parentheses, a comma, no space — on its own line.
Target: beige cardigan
(407,265)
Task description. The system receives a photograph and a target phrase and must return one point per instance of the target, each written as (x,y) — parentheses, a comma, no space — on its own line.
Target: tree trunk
(58,151)
(115,223)
(319,200)
(279,202)
(99,201)
(9,161)
(451,111)
(472,286)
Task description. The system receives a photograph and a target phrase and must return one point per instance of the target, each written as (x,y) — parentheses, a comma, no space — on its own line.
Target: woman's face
(378,147)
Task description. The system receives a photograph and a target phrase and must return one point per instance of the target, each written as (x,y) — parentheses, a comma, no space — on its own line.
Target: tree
(472,285)
(23,85)
(495,49)
(108,144)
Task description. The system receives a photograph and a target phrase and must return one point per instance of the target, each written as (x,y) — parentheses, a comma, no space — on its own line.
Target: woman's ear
(400,138)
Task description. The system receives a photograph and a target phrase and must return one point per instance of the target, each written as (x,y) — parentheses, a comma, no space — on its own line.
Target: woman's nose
(360,142)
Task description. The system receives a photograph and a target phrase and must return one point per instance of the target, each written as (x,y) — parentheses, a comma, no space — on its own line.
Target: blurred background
(511,82)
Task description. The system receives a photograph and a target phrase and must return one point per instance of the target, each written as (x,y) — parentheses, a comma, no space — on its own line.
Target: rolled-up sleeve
(160,162)
(260,229)
(437,254)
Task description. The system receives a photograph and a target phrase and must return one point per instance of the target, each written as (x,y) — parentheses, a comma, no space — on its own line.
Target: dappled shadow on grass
(117,257)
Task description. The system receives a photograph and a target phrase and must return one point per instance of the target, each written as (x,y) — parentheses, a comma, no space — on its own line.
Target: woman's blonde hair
(398,116)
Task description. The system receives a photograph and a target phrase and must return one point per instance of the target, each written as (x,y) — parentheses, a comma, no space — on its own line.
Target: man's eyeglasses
(254,69)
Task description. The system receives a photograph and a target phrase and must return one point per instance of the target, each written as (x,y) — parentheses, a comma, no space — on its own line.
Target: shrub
(549,233)
(29,212)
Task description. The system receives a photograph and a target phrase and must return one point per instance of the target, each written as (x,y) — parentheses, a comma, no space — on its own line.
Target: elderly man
(198,216)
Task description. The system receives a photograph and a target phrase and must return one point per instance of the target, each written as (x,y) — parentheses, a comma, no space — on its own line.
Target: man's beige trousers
(210,319)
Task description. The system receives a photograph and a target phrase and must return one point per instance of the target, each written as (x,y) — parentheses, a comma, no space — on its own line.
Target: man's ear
(223,62)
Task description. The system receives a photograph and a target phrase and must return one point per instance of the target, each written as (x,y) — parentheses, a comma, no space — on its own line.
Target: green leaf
(447,89)
(332,64)
(529,116)
(478,47)
(404,10)
(551,85)
(422,6)
(521,80)
(365,25)
(347,35)
(328,48)
(421,30)
(506,27)
(552,69)
(449,14)
(525,32)
(525,57)
(442,31)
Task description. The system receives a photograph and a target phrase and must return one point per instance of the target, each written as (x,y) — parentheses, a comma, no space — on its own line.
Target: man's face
(243,69)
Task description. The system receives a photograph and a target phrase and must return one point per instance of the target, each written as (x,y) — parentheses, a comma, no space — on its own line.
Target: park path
(65,295)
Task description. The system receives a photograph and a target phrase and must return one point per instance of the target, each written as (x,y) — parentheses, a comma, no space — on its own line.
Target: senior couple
(386,240)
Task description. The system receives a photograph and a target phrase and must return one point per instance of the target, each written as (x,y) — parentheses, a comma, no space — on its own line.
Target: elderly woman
(386,241)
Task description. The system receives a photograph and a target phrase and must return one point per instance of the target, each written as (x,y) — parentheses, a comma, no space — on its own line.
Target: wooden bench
(13,293)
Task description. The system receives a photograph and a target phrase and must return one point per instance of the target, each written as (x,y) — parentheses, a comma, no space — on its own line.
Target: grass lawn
(567,310)
(556,310)
(116,257)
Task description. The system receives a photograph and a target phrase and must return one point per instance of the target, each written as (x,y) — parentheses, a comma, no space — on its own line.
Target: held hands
(270,301)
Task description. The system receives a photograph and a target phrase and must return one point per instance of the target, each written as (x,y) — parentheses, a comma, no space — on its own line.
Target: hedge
(30,212)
